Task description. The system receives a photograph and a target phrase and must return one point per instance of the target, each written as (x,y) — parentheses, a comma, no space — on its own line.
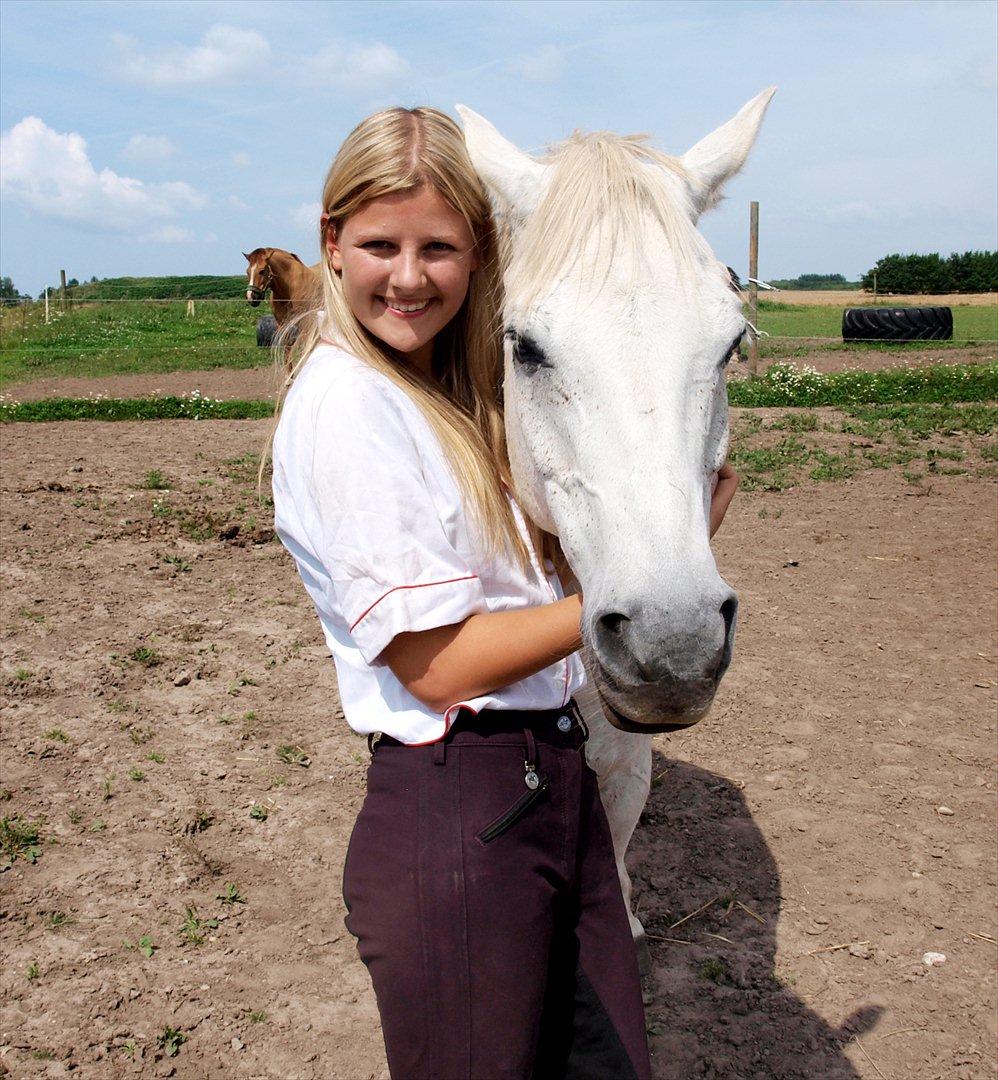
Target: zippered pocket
(511,816)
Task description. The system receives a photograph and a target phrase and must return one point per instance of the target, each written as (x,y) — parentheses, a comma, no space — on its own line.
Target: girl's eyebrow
(389,234)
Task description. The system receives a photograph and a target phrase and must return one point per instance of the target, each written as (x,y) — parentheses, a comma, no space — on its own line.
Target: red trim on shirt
(424,585)
(459,705)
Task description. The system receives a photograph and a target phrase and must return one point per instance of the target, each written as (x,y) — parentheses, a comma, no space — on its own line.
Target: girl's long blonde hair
(399,150)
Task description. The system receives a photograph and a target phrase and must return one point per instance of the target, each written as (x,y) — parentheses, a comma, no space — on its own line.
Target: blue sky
(166,137)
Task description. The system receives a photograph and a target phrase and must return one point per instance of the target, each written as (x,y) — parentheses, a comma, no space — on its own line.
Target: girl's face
(405,261)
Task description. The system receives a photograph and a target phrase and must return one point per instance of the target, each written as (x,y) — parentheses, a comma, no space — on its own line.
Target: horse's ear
(515,177)
(715,159)
(246,257)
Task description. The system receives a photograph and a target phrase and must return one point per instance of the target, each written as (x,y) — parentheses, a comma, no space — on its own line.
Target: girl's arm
(485,652)
(727,481)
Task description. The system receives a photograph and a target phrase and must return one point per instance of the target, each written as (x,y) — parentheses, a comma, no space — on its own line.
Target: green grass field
(132,337)
(970,323)
(129,338)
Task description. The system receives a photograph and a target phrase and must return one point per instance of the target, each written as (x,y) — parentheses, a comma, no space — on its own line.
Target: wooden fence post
(753,273)
(62,289)
(46,305)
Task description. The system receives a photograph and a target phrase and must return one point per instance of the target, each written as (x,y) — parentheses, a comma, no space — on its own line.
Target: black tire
(266,330)
(897,324)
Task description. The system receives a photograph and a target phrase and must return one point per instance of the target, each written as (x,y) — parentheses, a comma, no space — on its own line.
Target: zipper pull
(530,777)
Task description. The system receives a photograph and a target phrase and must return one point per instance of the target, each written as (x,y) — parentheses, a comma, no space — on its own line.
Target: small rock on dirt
(931,959)
(182,679)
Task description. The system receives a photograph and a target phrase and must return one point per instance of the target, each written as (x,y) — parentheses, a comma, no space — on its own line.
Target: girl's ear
(333,252)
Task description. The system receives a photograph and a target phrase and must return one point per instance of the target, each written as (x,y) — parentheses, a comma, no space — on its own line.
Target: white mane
(605,186)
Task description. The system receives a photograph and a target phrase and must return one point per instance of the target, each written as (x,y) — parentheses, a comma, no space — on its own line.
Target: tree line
(969,272)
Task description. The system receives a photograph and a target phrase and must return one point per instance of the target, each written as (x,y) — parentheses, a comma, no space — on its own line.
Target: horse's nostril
(613,621)
(728,609)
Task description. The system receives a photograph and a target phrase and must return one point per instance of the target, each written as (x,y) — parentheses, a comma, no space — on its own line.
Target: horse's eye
(731,349)
(526,352)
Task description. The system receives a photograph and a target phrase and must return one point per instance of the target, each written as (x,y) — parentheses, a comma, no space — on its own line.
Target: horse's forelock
(607,183)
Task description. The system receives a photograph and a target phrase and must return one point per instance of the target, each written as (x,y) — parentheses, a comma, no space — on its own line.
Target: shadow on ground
(719,1008)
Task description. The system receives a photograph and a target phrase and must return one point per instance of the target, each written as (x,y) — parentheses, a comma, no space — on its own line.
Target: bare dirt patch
(852,298)
(160,684)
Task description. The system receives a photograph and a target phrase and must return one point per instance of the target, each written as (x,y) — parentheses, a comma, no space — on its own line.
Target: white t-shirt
(365,502)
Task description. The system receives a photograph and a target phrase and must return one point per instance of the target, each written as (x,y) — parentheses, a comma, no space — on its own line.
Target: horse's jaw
(653,709)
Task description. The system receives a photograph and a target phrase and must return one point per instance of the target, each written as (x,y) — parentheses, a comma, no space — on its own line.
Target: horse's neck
(284,269)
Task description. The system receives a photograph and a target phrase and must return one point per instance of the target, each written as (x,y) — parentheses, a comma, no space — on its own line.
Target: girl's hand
(724,491)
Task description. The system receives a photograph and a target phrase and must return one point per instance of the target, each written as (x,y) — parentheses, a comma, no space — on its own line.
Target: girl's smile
(405,261)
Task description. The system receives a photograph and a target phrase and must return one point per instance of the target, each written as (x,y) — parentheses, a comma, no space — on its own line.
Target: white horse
(619,322)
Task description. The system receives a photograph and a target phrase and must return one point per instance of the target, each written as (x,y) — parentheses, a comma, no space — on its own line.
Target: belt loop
(440,752)
(531,758)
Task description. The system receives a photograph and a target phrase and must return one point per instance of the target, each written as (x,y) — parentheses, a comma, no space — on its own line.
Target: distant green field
(158,288)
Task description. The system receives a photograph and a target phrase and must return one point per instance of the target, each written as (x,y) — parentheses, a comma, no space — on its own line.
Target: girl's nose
(407,271)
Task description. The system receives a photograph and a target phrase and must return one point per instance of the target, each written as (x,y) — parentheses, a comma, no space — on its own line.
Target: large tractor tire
(897,324)
(266,330)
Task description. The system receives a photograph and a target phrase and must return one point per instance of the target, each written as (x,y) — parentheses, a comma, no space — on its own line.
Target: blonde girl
(480,879)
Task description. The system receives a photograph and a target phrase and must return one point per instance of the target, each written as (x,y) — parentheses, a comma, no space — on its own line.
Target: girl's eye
(376,245)
(439,245)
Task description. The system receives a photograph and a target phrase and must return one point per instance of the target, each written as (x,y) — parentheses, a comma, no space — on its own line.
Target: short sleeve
(391,566)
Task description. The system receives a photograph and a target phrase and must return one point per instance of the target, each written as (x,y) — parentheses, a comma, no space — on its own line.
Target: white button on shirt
(365,502)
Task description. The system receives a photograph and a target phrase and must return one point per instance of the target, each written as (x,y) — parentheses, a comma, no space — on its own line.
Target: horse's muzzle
(651,682)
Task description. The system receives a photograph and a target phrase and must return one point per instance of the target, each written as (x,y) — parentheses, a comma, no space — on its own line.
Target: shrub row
(785,384)
(782,384)
(191,407)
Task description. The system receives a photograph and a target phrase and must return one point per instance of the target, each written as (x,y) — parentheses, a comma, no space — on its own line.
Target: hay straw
(834,948)
(855,1039)
(692,914)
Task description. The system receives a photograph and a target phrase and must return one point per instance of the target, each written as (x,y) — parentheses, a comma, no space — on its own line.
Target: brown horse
(293,286)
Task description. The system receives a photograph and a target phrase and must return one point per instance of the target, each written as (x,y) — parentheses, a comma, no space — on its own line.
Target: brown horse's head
(259,274)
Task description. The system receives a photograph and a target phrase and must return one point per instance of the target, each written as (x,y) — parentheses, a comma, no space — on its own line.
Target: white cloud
(241,159)
(51,173)
(169,234)
(148,148)
(236,203)
(850,212)
(546,65)
(306,216)
(356,66)
(225,53)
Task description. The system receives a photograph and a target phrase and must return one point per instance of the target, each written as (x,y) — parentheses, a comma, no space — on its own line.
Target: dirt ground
(830,823)
(264,382)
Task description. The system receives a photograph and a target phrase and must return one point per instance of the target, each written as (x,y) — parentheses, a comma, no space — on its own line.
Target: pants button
(564,723)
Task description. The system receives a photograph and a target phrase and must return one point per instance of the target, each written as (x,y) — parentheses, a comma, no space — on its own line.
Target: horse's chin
(252,303)
(650,710)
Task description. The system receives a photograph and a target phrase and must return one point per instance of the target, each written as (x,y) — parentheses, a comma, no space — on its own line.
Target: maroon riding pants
(481,887)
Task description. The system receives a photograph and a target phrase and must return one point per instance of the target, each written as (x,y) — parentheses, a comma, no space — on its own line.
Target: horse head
(259,275)
(618,323)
